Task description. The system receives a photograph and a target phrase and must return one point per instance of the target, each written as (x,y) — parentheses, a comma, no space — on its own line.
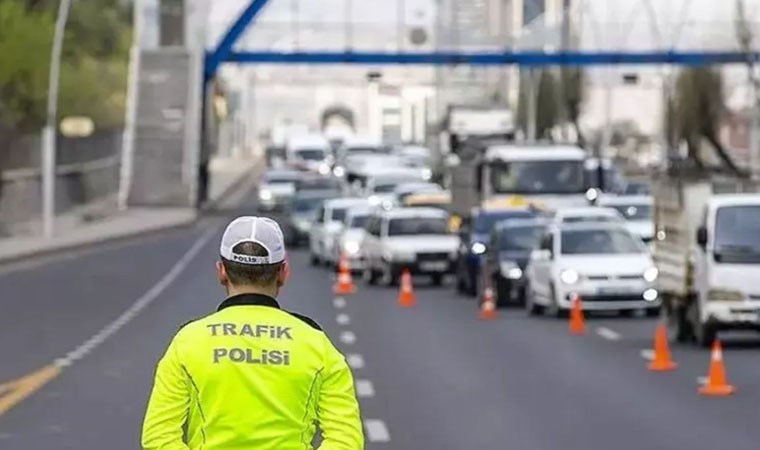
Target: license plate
(612,290)
(436,266)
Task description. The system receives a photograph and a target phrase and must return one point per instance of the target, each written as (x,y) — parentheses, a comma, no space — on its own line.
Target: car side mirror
(702,237)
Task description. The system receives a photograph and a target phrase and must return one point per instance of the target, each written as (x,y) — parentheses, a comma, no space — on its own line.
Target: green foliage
(93,70)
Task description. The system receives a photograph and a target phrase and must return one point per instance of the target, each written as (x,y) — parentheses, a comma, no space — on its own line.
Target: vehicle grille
(432,256)
(613,277)
(611,297)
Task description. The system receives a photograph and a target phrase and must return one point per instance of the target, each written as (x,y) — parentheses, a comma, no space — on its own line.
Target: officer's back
(251,375)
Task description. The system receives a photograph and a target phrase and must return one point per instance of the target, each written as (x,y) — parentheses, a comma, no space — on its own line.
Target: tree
(573,93)
(697,110)
(547,105)
(94,65)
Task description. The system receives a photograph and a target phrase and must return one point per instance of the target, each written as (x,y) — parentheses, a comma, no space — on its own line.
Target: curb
(169,225)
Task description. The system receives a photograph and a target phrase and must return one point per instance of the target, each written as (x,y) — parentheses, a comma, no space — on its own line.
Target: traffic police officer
(251,375)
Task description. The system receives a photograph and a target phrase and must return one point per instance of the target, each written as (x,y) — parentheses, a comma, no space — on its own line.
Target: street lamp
(49,132)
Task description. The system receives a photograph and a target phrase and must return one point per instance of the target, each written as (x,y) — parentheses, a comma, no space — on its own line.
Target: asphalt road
(430,377)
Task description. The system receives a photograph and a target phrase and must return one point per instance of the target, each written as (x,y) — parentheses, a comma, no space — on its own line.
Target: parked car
(328,224)
(309,153)
(474,237)
(604,264)
(416,239)
(507,255)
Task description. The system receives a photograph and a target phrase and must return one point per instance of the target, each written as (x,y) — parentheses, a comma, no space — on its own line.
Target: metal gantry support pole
(49,132)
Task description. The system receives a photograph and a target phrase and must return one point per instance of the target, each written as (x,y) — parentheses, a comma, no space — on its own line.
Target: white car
(606,265)
(310,153)
(403,190)
(587,214)
(381,183)
(637,211)
(417,239)
(350,238)
(328,223)
(277,188)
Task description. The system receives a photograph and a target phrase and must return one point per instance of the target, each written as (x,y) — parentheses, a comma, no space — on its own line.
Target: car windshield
(338,214)
(484,222)
(637,211)
(365,149)
(417,225)
(384,188)
(736,235)
(307,204)
(523,238)
(313,154)
(358,221)
(599,242)
(275,178)
(637,188)
(613,180)
(589,218)
(537,177)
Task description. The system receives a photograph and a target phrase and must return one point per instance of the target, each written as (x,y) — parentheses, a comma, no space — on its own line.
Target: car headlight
(351,247)
(650,295)
(729,295)
(569,276)
(510,270)
(339,171)
(650,275)
(265,195)
(302,225)
(478,248)
(427,174)
(324,169)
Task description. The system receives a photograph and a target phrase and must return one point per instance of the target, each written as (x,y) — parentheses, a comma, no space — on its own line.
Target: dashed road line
(355,361)
(647,353)
(343,319)
(339,302)
(347,337)
(365,388)
(376,431)
(16,391)
(606,333)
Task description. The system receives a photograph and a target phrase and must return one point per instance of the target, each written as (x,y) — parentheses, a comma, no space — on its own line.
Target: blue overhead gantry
(224,53)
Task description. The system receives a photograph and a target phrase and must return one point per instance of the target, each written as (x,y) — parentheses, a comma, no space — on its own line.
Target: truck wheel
(502,292)
(370,276)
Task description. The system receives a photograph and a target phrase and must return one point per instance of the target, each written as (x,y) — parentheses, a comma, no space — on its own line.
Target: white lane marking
(140,304)
(339,302)
(702,381)
(606,333)
(376,431)
(365,388)
(647,353)
(354,360)
(347,337)
(343,319)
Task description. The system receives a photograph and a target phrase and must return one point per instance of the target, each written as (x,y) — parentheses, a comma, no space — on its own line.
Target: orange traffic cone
(716,379)
(344,284)
(577,321)
(662,361)
(406,297)
(488,306)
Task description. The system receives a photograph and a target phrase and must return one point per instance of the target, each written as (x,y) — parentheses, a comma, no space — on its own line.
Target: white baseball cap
(260,230)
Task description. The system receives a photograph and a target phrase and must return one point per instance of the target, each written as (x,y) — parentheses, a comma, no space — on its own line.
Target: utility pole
(51,124)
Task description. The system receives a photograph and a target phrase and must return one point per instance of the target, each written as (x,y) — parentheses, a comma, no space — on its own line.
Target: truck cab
(549,175)
(707,250)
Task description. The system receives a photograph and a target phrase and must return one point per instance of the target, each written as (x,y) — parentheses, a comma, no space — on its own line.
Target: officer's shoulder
(307,320)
